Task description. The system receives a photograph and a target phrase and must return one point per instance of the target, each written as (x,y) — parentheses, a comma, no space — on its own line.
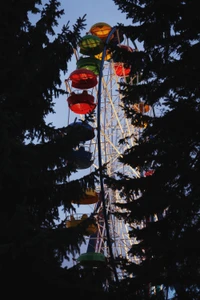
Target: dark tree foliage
(168,201)
(33,169)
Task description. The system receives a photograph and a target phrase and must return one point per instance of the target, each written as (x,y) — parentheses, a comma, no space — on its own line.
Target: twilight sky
(96,11)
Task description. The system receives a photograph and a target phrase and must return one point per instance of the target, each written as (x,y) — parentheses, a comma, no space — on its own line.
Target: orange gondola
(83,79)
(91,197)
(141,107)
(81,103)
(101,30)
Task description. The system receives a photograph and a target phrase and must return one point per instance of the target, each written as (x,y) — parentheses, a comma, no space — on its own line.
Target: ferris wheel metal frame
(118,239)
(112,237)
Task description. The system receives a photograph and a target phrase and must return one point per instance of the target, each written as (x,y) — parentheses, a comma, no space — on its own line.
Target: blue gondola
(81,158)
(83,131)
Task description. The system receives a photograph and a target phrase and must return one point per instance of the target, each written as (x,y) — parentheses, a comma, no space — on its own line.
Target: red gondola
(81,103)
(83,79)
(120,68)
(148,173)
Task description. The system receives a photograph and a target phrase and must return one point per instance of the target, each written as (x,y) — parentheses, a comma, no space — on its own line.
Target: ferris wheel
(94,88)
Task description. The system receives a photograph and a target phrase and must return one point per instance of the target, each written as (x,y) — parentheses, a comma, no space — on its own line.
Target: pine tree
(168,201)
(33,172)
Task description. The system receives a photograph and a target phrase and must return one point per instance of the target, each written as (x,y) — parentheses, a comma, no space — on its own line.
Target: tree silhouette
(33,169)
(168,201)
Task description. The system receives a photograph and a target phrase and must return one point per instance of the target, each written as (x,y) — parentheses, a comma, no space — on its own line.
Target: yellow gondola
(107,57)
(91,228)
(90,197)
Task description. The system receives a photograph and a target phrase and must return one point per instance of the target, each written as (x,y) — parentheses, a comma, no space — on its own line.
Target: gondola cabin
(81,103)
(107,57)
(73,222)
(101,30)
(120,68)
(141,107)
(83,79)
(148,173)
(81,158)
(89,63)
(82,130)
(91,197)
(91,45)
(92,259)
